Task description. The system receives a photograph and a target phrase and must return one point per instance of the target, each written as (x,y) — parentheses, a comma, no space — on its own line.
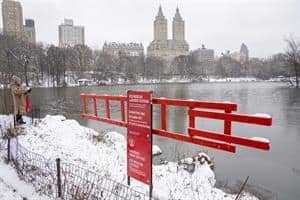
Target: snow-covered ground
(232,79)
(57,137)
(12,188)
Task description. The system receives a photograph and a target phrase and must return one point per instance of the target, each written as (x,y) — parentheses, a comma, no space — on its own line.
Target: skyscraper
(166,48)
(70,35)
(12,17)
(29,31)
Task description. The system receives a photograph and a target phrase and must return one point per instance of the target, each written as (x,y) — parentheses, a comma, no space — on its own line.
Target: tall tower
(244,51)
(160,26)
(12,17)
(29,31)
(178,27)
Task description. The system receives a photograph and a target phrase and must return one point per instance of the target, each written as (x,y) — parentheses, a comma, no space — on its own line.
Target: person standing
(19,94)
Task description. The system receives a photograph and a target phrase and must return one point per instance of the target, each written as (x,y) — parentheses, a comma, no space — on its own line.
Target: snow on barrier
(223,111)
(65,180)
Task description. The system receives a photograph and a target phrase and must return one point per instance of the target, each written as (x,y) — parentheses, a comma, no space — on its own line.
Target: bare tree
(183,65)
(228,67)
(56,59)
(83,56)
(103,64)
(154,67)
(15,56)
(292,54)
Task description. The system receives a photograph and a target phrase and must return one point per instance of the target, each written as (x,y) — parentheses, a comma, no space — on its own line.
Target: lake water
(274,174)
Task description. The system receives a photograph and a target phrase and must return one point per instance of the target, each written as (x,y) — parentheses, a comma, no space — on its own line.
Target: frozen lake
(273,175)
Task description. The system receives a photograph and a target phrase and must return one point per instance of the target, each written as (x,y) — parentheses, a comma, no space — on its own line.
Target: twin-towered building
(161,46)
(166,48)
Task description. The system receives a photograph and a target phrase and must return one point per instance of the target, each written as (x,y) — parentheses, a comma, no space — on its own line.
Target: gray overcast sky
(219,24)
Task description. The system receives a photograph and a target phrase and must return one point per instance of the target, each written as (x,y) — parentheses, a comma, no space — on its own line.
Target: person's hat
(16,79)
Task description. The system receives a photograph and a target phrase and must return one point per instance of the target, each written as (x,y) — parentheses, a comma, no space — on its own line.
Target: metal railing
(56,178)
(195,109)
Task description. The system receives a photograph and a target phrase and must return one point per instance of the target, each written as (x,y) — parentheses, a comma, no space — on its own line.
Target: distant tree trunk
(297,66)
(26,74)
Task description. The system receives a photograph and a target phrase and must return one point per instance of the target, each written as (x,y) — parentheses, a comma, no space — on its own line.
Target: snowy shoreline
(171,81)
(57,137)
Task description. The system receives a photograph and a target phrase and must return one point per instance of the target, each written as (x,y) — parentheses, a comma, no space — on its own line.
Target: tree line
(37,64)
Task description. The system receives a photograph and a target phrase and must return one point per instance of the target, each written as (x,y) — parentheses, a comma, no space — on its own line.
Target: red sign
(139,139)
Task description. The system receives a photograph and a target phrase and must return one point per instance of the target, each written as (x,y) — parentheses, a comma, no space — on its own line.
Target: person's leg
(19,119)
(18,116)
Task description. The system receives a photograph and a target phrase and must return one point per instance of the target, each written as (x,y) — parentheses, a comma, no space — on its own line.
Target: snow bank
(232,79)
(56,136)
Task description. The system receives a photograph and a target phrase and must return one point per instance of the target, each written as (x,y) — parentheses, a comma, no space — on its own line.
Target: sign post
(139,137)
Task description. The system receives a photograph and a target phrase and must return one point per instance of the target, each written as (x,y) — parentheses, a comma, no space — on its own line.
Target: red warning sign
(139,139)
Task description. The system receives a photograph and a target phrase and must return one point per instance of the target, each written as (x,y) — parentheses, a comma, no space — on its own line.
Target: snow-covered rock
(156,150)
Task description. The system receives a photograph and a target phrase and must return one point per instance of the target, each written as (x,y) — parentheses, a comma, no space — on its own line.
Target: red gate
(196,109)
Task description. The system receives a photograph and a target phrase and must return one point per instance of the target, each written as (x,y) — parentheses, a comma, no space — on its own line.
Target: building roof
(116,45)
(177,16)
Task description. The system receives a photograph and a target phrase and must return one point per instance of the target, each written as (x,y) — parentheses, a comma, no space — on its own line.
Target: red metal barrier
(196,109)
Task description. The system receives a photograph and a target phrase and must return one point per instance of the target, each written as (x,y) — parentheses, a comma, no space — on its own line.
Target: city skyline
(220,25)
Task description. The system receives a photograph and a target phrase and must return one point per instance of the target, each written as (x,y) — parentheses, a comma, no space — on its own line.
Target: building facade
(242,56)
(204,55)
(70,35)
(166,48)
(126,49)
(29,31)
(12,16)
(244,51)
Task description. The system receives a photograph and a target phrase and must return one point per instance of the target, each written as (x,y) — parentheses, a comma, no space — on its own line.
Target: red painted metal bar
(266,121)
(195,140)
(95,106)
(103,119)
(104,97)
(122,110)
(191,119)
(196,104)
(230,139)
(83,103)
(227,125)
(107,100)
(107,108)
(163,116)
